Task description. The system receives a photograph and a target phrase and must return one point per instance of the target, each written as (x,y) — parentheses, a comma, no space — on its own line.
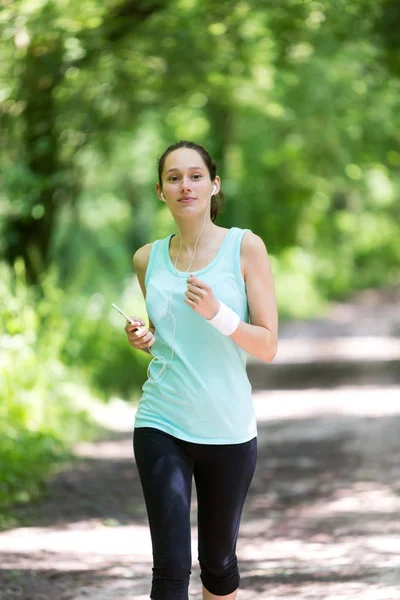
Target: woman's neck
(190,234)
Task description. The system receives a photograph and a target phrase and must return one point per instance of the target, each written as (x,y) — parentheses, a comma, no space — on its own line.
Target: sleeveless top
(205,395)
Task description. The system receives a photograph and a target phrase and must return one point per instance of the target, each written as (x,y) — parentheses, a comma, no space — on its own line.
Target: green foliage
(46,396)
(298,105)
(298,102)
(98,343)
(38,419)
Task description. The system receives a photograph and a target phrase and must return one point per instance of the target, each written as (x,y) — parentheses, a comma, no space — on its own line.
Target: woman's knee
(220,577)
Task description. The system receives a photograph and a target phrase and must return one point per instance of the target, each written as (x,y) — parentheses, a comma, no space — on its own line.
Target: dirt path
(321,519)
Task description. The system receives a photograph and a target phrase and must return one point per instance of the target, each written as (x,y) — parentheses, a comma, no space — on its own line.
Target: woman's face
(186,181)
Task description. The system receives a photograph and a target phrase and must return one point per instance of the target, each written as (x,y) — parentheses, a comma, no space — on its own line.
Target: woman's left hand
(200,297)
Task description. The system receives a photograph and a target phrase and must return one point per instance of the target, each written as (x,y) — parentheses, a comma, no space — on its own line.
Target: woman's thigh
(165,472)
(223,477)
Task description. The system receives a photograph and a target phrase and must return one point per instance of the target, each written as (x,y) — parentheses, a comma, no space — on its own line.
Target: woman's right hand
(138,338)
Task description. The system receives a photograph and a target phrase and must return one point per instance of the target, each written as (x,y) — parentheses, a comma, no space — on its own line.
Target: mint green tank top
(205,395)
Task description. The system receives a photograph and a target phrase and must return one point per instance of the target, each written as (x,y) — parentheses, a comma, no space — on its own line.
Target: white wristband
(226,320)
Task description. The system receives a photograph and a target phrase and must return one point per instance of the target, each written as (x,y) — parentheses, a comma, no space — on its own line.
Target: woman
(195,418)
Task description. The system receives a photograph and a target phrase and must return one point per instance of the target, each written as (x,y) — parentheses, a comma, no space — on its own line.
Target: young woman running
(202,287)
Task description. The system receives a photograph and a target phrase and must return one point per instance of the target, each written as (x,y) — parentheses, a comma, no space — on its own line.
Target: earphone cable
(163,360)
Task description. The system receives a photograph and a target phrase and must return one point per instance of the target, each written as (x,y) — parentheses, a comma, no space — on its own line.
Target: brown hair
(216,207)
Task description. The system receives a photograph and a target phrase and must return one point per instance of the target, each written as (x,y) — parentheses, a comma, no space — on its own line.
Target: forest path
(321,519)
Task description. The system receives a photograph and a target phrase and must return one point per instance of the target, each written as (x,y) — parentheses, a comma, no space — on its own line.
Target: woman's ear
(159,192)
(217,185)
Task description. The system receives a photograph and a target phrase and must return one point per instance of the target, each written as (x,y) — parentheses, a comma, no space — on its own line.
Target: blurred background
(297,101)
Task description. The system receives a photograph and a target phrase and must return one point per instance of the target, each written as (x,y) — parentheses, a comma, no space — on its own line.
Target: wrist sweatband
(226,320)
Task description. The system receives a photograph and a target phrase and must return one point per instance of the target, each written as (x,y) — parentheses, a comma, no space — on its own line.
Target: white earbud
(162,197)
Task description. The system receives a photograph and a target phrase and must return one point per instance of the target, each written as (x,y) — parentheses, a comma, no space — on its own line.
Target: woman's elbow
(272,349)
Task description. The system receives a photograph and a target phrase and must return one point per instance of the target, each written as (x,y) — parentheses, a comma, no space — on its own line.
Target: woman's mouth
(186,200)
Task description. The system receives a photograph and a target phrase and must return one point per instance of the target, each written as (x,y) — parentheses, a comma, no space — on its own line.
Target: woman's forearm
(255,340)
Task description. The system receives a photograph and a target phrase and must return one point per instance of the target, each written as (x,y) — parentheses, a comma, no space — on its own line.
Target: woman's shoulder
(142,256)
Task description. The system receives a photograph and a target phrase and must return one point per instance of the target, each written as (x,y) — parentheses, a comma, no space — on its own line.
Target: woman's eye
(175,177)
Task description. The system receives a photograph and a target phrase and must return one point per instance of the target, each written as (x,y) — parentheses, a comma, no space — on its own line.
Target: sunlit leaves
(294,85)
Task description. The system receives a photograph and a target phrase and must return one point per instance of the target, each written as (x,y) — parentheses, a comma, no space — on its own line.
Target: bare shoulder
(251,249)
(141,257)
(140,263)
(252,242)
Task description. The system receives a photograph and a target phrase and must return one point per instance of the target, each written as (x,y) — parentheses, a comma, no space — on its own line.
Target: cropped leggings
(222,475)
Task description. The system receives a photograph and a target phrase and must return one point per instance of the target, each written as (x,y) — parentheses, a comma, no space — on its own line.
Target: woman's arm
(140,262)
(260,338)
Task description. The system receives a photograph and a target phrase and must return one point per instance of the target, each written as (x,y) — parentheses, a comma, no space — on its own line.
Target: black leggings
(222,474)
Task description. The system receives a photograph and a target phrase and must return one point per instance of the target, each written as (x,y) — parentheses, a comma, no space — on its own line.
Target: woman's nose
(185,184)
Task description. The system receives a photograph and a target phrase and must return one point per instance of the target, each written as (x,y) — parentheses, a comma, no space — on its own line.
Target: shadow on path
(321,518)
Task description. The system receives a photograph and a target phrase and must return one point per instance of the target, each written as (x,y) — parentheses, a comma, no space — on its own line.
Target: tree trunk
(29,235)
